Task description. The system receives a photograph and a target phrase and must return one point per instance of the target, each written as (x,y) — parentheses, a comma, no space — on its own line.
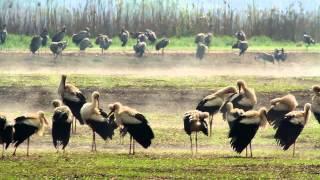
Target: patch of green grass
(102,165)
(221,43)
(261,84)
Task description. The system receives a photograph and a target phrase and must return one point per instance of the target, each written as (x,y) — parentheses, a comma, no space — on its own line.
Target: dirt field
(163,107)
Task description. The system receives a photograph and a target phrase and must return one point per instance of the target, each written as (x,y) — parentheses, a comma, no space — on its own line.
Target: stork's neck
(62,85)
(95,103)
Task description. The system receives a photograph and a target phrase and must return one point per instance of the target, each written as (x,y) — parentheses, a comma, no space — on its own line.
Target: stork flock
(82,40)
(237,106)
(73,105)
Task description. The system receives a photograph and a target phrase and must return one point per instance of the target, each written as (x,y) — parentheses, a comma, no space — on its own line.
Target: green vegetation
(220,43)
(101,165)
(261,84)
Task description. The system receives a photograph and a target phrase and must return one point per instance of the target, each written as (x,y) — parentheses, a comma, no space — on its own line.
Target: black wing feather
(287,133)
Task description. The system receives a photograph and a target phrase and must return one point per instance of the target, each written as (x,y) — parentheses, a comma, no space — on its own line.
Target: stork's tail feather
(142,133)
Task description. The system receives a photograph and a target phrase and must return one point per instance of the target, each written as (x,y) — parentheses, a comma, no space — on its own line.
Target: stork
(57,48)
(201,50)
(315,107)
(73,98)
(194,121)
(279,108)
(163,43)
(6,133)
(61,124)
(135,123)
(124,36)
(26,126)
(97,120)
(59,35)
(244,128)
(35,44)
(213,102)
(77,38)
(291,126)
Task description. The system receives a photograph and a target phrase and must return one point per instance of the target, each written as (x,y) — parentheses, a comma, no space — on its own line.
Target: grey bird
(152,37)
(3,34)
(124,36)
(77,38)
(163,43)
(201,50)
(139,48)
(35,44)
(85,43)
(60,35)
(242,46)
(57,48)
(104,42)
(45,36)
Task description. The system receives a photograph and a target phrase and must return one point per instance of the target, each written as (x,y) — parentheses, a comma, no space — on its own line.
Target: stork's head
(95,95)
(241,84)
(42,117)
(316,89)
(56,103)
(63,77)
(115,106)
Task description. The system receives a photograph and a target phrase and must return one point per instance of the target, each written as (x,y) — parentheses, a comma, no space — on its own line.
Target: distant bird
(194,121)
(85,43)
(291,127)
(135,35)
(57,48)
(265,57)
(279,108)
(35,44)
(241,36)
(208,39)
(199,38)
(136,124)
(213,102)
(315,107)
(124,36)
(308,40)
(104,42)
(142,38)
(245,127)
(163,43)
(3,34)
(204,38)
(45,36)
(61,124)
(201,50)
(59,35)
(280,55)
(77,38)
(97,120)
(151,35)
(140,48)
(6,133)
(242,46)
(26,126)
(72,97)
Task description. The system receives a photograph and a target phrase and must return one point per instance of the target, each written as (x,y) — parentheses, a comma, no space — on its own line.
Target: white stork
(135,123)
(26,126)
(97,120)
(6,133)
(315,107)
(245,127)
(61,124)
(194,121)
(279,108)
(291,126)
(212,103)
(73,98)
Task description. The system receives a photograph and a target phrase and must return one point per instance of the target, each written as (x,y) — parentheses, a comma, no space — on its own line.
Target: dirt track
(145,100)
